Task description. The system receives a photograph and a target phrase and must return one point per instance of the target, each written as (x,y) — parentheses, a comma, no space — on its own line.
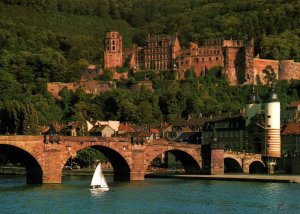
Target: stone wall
(89,87)
(260,64)
(288,69)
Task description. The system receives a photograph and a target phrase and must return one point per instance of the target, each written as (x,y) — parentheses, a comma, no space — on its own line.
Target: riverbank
(7,170)
(14,170)
(232,177)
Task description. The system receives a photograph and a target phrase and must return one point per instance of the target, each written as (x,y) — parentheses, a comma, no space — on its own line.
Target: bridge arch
(257,166)
(16,154)
(190,162)
(232,164)
(120,164)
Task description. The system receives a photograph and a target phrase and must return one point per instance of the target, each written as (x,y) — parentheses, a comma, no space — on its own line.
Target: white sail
(98,180)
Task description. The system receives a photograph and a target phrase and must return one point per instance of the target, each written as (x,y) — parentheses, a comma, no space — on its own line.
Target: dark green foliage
(88,157)
(18,118)
(55,40)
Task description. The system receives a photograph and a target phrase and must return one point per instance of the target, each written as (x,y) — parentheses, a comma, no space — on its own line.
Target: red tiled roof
(294,104)
(126,127)
(292,129)
(156,131)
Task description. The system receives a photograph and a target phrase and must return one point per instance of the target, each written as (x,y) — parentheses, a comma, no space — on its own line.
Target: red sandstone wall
(260,64)
(230,67)
(89,87)
(288,69)
(55,87)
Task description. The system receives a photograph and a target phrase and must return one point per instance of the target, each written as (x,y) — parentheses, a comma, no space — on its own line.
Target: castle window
(197,60)
(113,48)
(107,48)
(203,59)
(186,62)
(209,59)
(113,42)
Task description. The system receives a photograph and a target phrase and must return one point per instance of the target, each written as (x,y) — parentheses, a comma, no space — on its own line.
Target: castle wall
(89,87)
(55,87)
(260,64)
(289,69)
(230,57)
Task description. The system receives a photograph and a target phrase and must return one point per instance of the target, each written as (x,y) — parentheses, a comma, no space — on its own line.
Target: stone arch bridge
(45,156)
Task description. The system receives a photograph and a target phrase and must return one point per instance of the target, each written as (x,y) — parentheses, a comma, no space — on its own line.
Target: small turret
(253,106)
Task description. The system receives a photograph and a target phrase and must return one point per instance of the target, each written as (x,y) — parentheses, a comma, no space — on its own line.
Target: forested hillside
(55,40)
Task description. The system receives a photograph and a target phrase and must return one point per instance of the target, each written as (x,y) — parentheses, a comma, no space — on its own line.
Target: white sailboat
(99,181)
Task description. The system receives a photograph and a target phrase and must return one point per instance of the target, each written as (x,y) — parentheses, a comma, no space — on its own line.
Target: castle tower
(272,126)
(113,50)
(249,54)
(232,54)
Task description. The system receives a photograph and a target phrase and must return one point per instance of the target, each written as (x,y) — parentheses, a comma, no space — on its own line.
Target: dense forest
(45,41)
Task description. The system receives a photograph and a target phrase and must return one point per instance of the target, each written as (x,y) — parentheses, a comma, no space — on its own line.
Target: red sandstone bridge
(45,156)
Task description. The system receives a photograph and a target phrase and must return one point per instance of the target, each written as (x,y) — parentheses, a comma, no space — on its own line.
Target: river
(149,196)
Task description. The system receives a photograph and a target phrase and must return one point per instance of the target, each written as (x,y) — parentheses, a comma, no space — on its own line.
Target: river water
(149,196)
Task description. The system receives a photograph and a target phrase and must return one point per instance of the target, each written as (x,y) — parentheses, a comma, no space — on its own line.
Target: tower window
(113,47)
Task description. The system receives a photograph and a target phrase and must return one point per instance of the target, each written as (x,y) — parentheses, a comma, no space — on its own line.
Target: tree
(270,76)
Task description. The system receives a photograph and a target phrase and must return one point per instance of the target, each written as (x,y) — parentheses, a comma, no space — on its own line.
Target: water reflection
(97,193)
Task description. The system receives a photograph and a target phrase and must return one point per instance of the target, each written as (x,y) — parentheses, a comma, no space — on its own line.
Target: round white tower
(272,126)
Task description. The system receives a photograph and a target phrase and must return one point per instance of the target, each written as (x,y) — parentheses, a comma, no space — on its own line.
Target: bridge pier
(52,167)
(217,159)
(137,170)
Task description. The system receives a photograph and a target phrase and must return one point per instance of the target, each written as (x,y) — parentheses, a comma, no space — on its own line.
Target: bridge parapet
(244,154)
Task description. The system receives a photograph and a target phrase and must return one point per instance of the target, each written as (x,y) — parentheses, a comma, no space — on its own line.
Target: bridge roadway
(45,156)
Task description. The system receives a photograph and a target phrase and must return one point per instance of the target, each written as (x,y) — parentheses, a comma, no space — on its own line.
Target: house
(291,113)
(290,138)
(71,129)
(191,124)
(290,142)
(125,128)
(189,137)
(102,130)
(113,124)
(229,128)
